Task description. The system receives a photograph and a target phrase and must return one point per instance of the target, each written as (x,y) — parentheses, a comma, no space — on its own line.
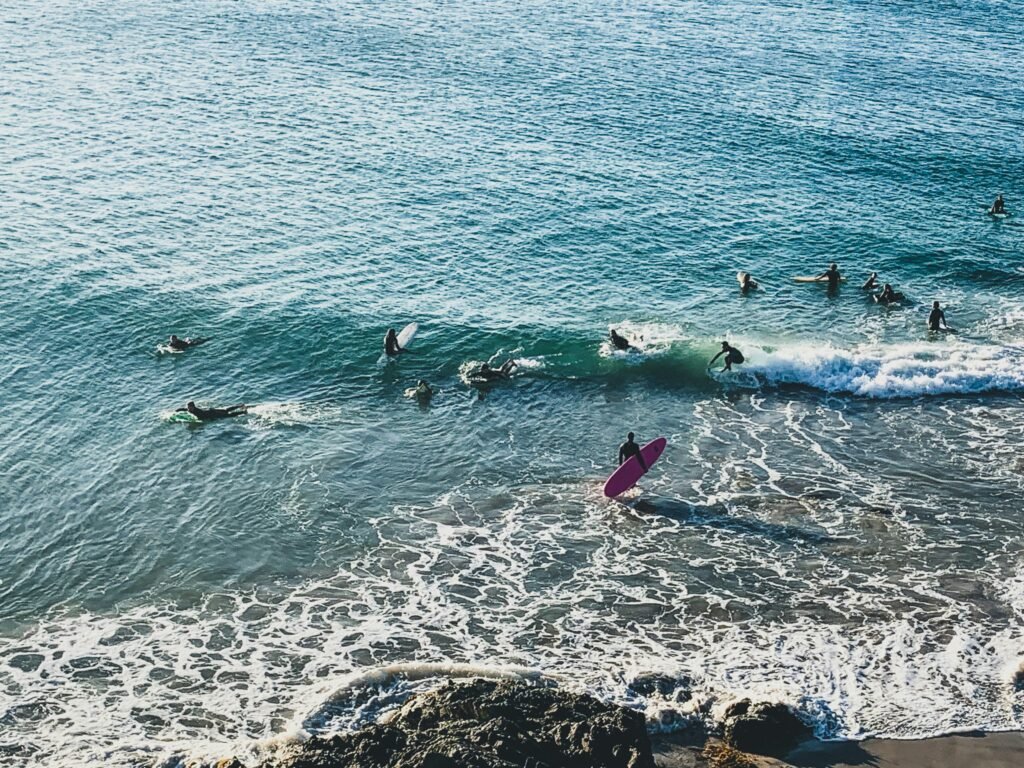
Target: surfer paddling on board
(832,275)
(391,346)
(629,449)
(504,371)
(423,390)
(732,355)
(620,343)
(937,319)
(208,414)
(872,282)
(180,345)
(998,206)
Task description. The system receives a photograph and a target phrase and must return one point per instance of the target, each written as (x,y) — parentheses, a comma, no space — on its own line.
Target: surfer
(423,390)
(998,206)
(391,346)
(832,275)
(180,345)
(208,414)
(889,295)
(937,319)
(629,449)
(747,283)
(732,355)
(872,282)
(620,343)
(503,371)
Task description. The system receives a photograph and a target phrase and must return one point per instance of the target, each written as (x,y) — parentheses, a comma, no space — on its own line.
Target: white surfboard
(405,337)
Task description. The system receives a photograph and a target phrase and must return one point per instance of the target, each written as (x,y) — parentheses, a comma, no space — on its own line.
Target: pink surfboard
(627,475)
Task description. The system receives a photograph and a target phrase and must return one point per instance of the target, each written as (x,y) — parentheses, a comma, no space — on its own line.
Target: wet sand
(977,750)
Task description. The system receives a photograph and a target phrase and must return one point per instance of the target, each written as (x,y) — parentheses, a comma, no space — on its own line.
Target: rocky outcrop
(487,724)
(764,729)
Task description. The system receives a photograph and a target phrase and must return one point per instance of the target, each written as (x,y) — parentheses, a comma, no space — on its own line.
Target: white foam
(946,367)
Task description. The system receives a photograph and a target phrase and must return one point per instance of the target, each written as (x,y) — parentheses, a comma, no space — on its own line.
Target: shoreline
(1001,749)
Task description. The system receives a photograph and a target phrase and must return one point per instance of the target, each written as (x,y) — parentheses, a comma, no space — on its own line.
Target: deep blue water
(837,525)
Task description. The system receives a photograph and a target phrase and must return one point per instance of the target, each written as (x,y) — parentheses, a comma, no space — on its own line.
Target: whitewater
(835,524)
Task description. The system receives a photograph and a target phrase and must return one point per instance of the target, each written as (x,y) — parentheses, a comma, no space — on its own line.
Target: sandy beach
(984,750)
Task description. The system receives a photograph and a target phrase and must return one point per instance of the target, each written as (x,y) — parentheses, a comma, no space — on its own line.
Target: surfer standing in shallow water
(628,449)
(937,319)
(832,275)
(732,355)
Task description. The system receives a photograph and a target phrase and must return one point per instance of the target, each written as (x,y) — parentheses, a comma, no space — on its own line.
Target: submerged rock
(487,724)
(764,729)
(651,683)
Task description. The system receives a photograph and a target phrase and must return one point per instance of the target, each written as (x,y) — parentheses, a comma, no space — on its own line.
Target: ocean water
(837,526)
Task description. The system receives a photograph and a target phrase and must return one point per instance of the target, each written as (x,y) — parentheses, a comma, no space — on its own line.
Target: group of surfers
(486,373)
(832,275)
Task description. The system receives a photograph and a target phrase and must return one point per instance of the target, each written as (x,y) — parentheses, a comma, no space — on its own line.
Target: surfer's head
(391,332)
(725,345)
(191,406)
(833,266)
(485,366)
(173,338)
(935,305)
(630,437)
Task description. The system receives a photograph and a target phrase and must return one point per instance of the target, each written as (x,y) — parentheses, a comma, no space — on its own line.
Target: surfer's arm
(712,361)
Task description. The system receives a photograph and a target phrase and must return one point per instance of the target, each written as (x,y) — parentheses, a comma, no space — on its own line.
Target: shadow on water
(718,516)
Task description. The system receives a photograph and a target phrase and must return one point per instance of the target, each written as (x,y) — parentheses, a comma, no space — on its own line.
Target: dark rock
(651,683)
(764,729)
(487,724)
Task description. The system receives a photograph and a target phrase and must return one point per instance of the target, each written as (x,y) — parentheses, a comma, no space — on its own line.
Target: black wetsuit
(391,347)
(629,449)
(833,278)
(208,414)
(619,342)
(936,320)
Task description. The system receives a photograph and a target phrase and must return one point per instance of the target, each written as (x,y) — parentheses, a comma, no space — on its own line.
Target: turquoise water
(838,526)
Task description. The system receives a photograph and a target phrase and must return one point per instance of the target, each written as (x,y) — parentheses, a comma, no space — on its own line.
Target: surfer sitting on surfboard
(208,414)
(391,346)
(732,355)
(619,342)
(504,371)
(628,449)
(998,206)
(937,319)
(832,275)
(180,345)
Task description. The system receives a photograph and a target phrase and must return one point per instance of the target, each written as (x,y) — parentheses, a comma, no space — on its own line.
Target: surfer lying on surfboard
(732,355)
(208,414)
(180,345)
(503,371)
